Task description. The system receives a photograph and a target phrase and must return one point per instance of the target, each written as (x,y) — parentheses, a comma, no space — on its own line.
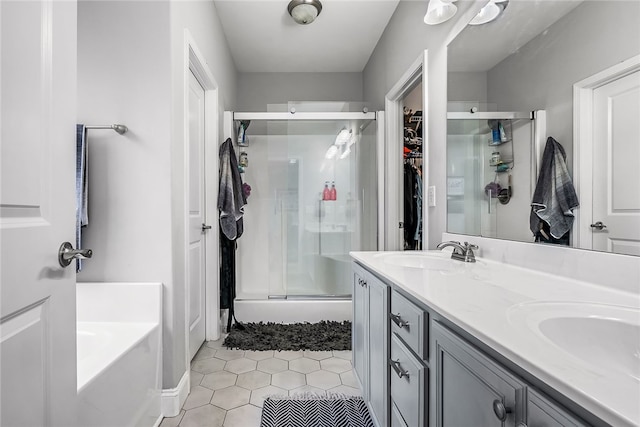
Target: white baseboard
(172,399)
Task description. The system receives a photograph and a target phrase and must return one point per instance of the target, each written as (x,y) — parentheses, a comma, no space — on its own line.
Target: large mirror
(511,87)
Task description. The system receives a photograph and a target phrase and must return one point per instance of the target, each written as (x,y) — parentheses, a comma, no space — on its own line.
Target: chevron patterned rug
(307,410)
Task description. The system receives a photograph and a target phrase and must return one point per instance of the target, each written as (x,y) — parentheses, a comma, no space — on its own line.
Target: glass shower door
(311,233)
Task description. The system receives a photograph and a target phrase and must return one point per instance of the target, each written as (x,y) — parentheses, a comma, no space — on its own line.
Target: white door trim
(392,236)
(583,143)
(195,63)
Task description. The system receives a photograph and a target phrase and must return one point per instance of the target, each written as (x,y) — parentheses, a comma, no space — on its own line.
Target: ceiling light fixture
(343,137)
(440,11)
(304,12)
(331,152)
(489,12)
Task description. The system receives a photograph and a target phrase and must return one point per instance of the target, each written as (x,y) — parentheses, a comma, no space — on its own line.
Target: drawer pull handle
(398,321)
(395,364)
(500,410)
(362,282)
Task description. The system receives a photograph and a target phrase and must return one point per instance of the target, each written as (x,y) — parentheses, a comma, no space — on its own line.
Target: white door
(37,213)
(197,230)
(616,171)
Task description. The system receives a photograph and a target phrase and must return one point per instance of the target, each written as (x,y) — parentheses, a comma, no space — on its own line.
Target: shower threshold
(310,297)
(295,309)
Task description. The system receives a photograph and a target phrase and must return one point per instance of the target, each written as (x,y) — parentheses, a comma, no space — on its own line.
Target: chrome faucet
(460,252)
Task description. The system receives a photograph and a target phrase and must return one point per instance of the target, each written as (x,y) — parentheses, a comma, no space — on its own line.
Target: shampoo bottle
(333,193)
(326,193)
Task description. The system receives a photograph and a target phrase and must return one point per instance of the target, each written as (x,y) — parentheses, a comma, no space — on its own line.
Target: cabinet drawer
(408,384)
(409,322)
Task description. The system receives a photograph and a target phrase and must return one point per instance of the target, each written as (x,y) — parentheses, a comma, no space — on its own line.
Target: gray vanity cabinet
(541,412)
(471,390)
(371,341)
(360,329)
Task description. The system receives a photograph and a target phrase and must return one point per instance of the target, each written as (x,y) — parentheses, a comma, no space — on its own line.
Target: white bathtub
(119,350)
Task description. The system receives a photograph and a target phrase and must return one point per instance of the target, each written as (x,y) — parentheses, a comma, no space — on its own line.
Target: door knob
(205,227)
(598,225)
(66,254)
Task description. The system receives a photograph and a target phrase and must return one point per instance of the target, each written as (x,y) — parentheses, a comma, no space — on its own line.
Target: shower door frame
(230,117)
(538,136)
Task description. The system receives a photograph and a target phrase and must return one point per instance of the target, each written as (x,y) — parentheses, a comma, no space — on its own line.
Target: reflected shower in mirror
(527,62)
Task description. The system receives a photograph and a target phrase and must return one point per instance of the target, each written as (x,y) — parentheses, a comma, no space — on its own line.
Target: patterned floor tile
(287,355)
(272,366)
(230,397)
(199,396)
(307,389)
(195,378)
(258,395)
(225,354)
(304,365)
(323,379)
(172,421)
(240,366)
(207,366)
(204,416)
(288,380)
(253,380)
(244,416)
(258,355)
(205,353)
(336,365)
(343,389)
(219,380)
(342,354)
(349,379)
(318,355)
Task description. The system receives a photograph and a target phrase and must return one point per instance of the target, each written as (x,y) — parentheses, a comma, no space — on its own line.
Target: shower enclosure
(491,177)
(313,199)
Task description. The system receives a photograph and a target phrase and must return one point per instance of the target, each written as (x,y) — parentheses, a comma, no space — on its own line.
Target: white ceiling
(481,47)
(263,37)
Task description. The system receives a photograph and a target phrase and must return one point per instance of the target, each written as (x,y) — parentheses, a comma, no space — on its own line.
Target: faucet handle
(468,245)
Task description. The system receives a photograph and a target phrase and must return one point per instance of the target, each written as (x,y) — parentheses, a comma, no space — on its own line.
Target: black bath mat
(319,411)
(296,336)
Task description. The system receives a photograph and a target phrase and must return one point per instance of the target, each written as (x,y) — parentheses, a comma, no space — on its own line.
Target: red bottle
(333,194)
(326,193)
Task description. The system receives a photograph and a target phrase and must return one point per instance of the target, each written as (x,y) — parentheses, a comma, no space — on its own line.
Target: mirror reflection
(510,88)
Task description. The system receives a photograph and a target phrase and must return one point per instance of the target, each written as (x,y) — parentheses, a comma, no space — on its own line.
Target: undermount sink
(424,260)
(598,334)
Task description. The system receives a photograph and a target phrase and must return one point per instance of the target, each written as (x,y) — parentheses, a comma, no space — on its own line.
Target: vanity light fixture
(304,12)
(440,11)
(489,12)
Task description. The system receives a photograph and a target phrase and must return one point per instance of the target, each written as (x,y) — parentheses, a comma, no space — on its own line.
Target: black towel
(555,197)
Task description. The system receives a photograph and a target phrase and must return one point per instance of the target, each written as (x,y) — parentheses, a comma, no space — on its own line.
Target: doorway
(607,141)
(201,177)
(410,92)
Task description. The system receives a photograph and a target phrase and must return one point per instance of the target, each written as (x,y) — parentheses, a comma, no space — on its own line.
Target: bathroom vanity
(440,342)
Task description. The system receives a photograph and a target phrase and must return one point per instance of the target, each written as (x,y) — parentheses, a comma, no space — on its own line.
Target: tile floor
(229,386)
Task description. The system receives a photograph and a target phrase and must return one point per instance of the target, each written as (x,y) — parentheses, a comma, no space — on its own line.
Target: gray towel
(82,185)
(231,199)
(555,197)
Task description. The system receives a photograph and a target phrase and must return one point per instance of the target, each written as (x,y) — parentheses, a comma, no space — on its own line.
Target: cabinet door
(378,349)
(360,329)
(470,389)
(543,413)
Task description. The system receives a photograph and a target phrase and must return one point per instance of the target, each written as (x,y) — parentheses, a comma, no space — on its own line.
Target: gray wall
(403,41)
(467,86)
(257,90)
(130,60)
(593,37)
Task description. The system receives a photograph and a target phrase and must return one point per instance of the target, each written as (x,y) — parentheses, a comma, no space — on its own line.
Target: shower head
(121,129)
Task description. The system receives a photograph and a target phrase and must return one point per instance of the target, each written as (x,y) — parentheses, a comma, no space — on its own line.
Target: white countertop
(493,302)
